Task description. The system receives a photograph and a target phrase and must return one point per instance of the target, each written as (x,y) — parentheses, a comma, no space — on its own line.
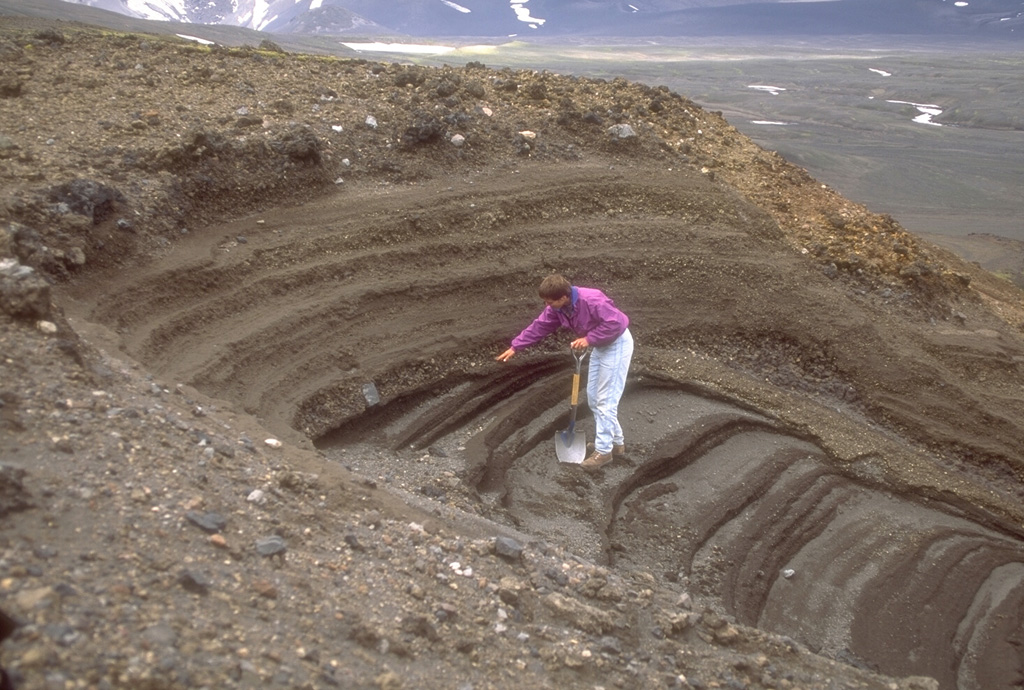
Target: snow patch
(458,8)
(927,110)
(158,9)
(523,14)
(773,90)
(195,38)
(880,71)
(260,8)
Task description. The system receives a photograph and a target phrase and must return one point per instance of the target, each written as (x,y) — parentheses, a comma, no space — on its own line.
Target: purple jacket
(590,314)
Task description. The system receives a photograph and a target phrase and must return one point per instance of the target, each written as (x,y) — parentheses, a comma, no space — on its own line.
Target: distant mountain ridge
(550,18)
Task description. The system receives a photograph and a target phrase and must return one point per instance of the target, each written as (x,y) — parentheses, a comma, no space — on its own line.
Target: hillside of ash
(206,255)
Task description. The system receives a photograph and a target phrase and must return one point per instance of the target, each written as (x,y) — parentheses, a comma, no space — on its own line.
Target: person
(597,323)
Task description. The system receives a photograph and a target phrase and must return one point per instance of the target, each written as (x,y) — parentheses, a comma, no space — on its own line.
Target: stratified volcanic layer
(778,424)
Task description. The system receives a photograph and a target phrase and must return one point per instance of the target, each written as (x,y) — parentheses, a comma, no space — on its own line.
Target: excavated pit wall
(753,519)
(809,457)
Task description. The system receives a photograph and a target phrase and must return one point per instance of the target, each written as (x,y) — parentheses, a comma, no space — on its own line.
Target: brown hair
(554,287)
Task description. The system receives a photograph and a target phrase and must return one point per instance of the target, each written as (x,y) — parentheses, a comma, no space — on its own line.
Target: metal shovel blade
(571,446)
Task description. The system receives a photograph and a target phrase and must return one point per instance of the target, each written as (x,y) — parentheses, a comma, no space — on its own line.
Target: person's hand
(506,355)
(580,344)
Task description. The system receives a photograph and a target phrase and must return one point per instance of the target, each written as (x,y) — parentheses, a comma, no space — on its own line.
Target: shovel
(570,446)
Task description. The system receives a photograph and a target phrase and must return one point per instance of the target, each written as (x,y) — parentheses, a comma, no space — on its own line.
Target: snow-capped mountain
(590,17)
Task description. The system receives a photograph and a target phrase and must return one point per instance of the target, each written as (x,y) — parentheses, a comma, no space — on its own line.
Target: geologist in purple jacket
(597,323)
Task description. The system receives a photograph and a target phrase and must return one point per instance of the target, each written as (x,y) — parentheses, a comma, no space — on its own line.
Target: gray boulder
(23,292)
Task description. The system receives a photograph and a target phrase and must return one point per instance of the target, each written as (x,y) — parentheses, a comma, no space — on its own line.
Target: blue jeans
(606,379)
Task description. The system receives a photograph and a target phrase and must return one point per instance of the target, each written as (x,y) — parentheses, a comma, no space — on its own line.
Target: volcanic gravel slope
(822,419)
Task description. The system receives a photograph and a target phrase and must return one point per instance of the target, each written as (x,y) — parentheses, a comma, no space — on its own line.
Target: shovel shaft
(575,398)
(572,419)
